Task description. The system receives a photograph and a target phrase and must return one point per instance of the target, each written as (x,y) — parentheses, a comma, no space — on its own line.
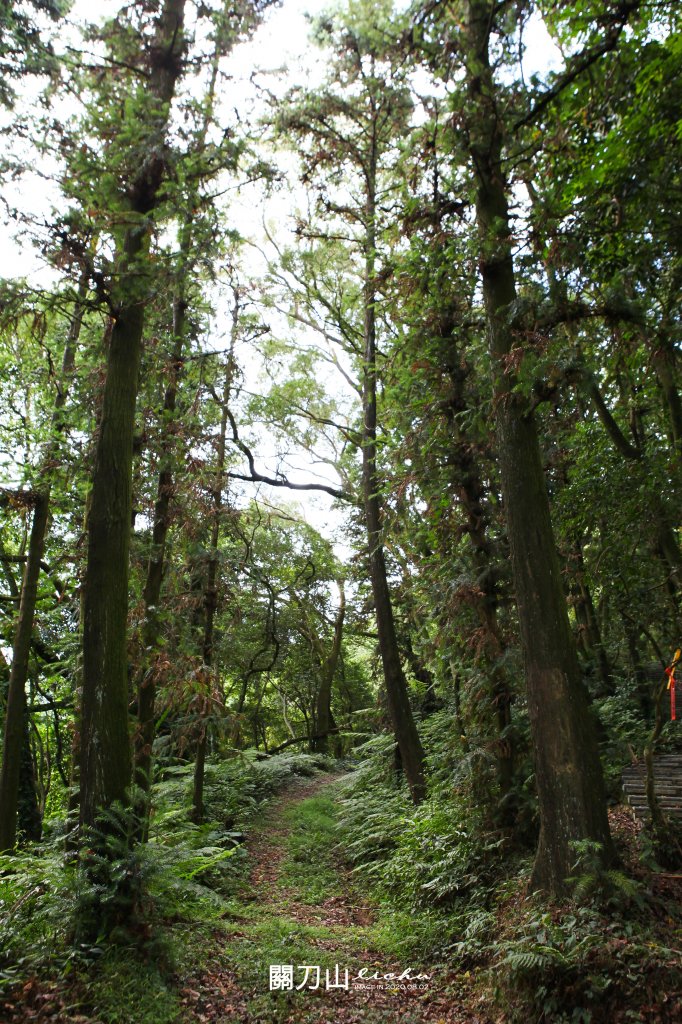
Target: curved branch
(583,61)
(279,481)
(302,739)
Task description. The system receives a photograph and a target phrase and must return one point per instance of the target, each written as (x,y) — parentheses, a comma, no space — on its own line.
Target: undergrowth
(454,890)
(115,923)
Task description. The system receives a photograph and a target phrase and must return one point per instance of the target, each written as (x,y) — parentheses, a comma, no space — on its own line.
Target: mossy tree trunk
(409,745)
(568,770)
(151,629)
(105,755)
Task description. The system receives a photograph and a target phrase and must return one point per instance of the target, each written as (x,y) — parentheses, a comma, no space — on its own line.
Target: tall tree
(105,743)
(211,583)
(358,130)
(206,162)
(568,770)
(15,715)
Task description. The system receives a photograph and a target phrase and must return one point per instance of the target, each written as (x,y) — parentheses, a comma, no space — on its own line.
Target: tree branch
(302,739)
(279,481)
(619,439)
(582,61)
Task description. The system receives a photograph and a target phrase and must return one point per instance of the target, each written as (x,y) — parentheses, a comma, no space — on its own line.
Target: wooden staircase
(668,786)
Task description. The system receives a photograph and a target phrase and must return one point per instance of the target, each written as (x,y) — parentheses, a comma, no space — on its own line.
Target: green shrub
(442,853)
(576,966)
(55,914)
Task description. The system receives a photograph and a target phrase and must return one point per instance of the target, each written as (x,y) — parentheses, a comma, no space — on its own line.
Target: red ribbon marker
(670,672)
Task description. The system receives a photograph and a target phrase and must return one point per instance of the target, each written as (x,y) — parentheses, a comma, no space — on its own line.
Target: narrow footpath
(299,946)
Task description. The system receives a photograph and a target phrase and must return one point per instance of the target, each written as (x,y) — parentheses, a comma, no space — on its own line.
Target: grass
(122,989)
(242,935)
(211,929)
(309,872)
(267,935)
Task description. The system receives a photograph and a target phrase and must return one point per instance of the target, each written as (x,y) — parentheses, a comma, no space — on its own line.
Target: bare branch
(279,481)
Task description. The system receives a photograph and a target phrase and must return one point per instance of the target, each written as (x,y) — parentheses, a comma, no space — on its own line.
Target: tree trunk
(147,686)
(10,776)
(568,770)
(151,631)
(211,588)
(15,713)
(323,710)
(486,597)
(669,846)
(663,357)
(589,634)
(29,820)
(400,711)
(26,755)
(646,701)
(105,742)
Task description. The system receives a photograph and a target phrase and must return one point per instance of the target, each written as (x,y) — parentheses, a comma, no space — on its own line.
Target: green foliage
(235,787)
(449,888)
(433,868)
(112,878)
(371,810)
(442,854)
(37,894)
(123,988)
(593,883)
(626,733)
(594,182)
(124,900)
(576,965)
(442,850)
(25,46)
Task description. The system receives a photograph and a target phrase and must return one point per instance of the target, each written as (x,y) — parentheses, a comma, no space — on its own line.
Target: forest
(340,546)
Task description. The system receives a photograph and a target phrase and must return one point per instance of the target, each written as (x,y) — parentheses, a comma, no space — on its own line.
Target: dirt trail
(267,851)
(275,926)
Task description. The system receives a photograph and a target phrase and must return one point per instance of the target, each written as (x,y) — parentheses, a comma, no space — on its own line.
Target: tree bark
(323,709)
(151,630)
(29,819)
(589,634)
(15,714)
(664,361)
(471,492)
(105,762)
(568,770)
(151,633)
(400,711)
(211,587)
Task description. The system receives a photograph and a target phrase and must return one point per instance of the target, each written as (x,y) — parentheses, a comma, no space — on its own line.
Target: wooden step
(667,786)
(641,801)
(641,793)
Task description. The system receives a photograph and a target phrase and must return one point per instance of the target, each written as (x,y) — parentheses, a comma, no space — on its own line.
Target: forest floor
(299,909)
(296,907)
(288,938)
(285,936)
